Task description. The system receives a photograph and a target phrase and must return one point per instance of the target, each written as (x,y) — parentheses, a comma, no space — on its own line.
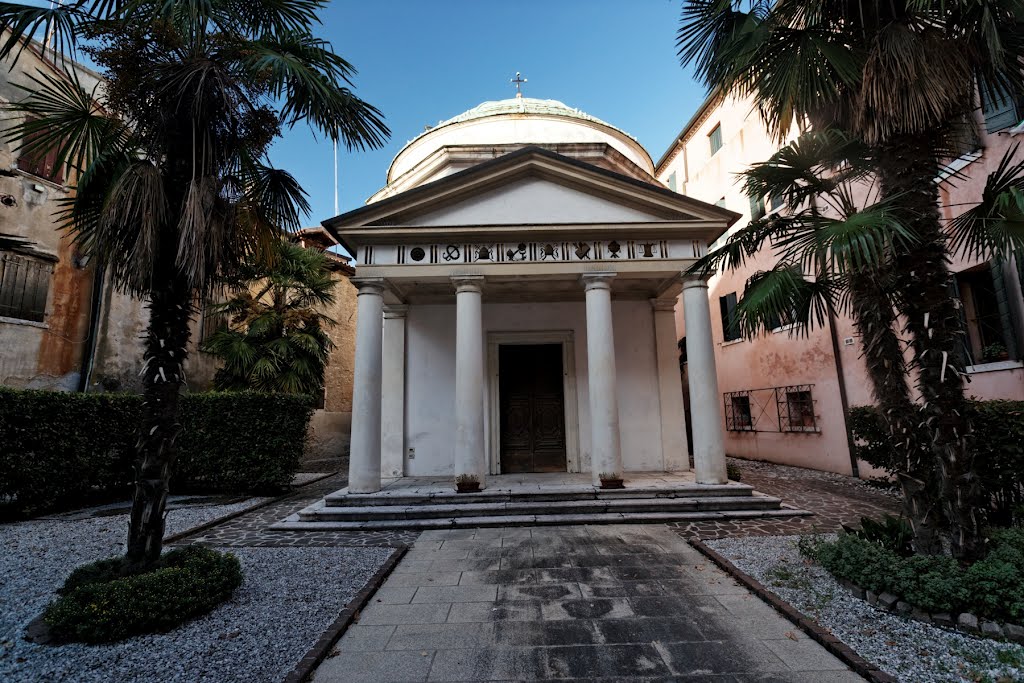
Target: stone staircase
(438,507)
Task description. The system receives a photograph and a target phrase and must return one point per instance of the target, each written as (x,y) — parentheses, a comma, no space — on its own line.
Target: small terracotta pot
(612,484)
(467,486)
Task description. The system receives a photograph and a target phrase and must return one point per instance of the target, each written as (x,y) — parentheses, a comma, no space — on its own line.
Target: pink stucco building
(783,395)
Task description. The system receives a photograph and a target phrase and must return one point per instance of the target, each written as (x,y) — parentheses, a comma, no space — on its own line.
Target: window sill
(26,323)
(953,167)
(42,181)
(802,430)
(994,367)
(784,328)
(731,342)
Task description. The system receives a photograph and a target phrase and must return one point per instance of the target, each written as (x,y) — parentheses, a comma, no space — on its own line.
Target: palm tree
(275,339)
(900,76)
(174,185)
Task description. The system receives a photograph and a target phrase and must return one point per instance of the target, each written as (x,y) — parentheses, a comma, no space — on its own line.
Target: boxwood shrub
(103,602)
(992,587)
(59,449)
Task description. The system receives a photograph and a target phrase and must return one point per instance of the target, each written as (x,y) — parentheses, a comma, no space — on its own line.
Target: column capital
(666,304)
(395,311)
(368,285)
(468,283)
(598,280)
(691,281)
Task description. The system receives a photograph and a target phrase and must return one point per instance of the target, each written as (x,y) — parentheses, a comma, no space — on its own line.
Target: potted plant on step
(467,483)
(610,480)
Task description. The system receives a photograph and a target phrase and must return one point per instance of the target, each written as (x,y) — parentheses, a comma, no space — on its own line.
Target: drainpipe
(92,339)
(842,393)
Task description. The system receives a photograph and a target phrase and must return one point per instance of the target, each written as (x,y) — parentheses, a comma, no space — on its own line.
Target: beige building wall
(764,366)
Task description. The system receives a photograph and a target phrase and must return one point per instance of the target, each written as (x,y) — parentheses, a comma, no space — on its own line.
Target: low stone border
(837,647)
(964,622)
(238,513)
(335,631)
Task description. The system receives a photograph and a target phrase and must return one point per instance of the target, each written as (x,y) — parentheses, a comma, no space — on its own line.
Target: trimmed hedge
(99,603)
(992,587)
(998,443)
(60,449)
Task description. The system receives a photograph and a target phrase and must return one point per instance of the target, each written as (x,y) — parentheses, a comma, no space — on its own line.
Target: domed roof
(525,105)
(518,120)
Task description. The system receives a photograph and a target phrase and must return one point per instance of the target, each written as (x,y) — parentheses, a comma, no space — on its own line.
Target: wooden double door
(532,405)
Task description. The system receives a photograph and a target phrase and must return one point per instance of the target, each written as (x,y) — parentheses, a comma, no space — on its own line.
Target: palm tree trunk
(170,310)
(908,165)
(875,319)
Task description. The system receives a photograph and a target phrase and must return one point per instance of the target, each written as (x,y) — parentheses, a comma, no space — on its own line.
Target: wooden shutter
(999,274)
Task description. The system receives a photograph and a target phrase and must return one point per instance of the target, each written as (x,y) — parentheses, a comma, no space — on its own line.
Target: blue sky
(428,60)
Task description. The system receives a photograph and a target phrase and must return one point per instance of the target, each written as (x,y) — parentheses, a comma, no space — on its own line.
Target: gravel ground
(288,598)
(909,650)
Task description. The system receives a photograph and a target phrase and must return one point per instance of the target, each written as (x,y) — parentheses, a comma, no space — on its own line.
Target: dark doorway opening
(532,405)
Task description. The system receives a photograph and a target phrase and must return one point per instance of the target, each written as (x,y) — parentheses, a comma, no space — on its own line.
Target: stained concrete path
(623,603)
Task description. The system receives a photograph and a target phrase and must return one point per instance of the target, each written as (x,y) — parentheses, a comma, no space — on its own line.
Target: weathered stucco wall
(46,354)
(779,359)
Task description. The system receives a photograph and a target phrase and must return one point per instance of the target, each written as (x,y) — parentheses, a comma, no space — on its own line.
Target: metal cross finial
(518,80)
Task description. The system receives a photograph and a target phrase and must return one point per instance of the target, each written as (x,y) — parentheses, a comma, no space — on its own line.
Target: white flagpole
(336,211)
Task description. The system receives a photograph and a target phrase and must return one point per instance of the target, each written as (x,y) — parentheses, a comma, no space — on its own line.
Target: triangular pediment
(535,201)
(532,186)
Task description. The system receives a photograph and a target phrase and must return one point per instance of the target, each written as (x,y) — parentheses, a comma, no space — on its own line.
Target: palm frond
(783,296)
(995,226)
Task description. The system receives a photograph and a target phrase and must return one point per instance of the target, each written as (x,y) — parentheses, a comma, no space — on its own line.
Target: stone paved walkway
(252,528)
(623,603)
(833,498)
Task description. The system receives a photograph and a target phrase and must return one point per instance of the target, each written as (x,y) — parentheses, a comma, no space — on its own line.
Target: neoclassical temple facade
(517,284)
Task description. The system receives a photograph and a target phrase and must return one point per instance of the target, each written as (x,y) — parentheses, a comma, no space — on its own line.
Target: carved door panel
(532,408)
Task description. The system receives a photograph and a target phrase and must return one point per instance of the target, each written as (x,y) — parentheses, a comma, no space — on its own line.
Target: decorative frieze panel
(532,252)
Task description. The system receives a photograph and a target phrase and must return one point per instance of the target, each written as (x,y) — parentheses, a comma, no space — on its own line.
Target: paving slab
(617,602)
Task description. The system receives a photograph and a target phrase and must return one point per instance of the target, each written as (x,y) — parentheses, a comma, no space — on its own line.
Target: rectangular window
(987,315)
(43,166)
(672,182)
(775,203)
(799,411)
(24,286)
(715,139)
(1000,111)
(739,416)
(730,322)
(756,208)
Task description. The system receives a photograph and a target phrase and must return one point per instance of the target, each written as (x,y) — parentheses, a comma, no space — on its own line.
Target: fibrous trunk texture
(908,165)
(170,310)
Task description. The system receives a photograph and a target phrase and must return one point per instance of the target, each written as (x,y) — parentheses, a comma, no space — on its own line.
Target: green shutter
(1005,312)
(965,340)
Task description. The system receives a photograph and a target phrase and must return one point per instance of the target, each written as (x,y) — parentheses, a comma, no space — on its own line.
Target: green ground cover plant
(992,587)
(109,600)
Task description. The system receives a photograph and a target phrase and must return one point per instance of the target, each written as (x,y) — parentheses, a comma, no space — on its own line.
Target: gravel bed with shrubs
(289,596)
(907,649)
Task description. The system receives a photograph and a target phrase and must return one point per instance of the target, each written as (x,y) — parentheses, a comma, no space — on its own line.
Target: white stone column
(364,453)
(705,399)
(670,387)
(605,450)
(470,458)
(392,420)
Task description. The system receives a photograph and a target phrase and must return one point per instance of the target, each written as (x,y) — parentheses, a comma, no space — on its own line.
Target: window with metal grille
(41,165)
(715,139)
(730,321)
(799,411)
(739,418)
(24,285)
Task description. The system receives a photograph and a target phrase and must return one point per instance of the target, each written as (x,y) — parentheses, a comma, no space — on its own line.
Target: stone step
(442,510)
(293,523)
(556,493)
